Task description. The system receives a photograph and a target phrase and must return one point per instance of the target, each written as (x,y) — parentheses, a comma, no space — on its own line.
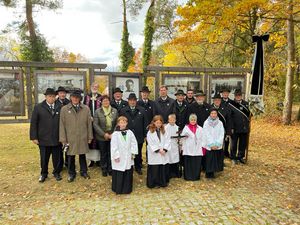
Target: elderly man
(163,104)
(117,102)
(75,131)
(44,130)
(137,123)
(93,101)
(200,108)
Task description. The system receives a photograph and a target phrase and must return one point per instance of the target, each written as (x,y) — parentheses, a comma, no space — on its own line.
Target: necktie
(52,109)
(76,107)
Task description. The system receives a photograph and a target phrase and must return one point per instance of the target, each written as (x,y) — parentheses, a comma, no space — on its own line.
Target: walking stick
(178,139)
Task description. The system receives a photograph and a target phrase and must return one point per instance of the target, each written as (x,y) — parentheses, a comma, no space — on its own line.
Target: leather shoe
(42,179)
(85,176)
(57,177)
(104,173)
(71,179)
(92,164)
(242,161)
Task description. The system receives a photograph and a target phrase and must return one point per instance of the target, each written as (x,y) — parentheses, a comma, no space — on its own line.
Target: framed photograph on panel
(233,82)
(128,85)
(71,80)
(183,82)
(11,93)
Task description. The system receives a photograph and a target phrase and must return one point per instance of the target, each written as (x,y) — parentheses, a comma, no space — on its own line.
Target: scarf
(213,122)
(107,114)
(193,128)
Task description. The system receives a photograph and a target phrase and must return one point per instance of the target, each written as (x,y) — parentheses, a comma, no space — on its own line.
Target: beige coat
(75,128)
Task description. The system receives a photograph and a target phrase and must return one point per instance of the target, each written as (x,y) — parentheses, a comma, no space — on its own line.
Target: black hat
(145,89)
(200,93)
(117,89)
(50,91)
(60,88)
(132,96)
(179,92)
(225,90)
(238,92)
(217,96)
(76,93)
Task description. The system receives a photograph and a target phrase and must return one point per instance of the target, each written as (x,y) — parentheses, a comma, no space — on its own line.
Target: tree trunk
(30,23)
(288,101)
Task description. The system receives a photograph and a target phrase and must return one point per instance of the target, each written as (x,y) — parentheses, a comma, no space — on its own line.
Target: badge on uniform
(167,104)
(140,113)
(69,111)
(241,108)
(57,113)
(149,107)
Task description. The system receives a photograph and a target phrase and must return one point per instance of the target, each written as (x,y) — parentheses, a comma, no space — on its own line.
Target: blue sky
(86,27)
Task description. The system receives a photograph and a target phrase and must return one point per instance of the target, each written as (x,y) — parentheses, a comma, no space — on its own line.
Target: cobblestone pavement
(265,191)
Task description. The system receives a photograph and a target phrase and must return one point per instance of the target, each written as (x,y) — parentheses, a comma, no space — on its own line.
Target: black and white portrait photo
(128,85)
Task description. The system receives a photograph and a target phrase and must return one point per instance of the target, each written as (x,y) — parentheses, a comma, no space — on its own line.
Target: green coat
(99,123)
(75,128)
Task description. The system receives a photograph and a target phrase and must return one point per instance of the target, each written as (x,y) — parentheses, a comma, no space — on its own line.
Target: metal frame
(54,72)
(21,89)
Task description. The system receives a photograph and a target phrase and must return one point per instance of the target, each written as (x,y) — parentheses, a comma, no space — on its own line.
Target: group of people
(183,136)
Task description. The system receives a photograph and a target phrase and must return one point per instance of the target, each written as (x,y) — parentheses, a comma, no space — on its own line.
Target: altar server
(123,149)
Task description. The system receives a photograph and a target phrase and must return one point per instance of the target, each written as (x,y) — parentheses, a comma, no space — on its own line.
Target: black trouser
(138,161)
(238,142)
(45,152)
(105,159)
(71,164)
(226,147)
(61,158)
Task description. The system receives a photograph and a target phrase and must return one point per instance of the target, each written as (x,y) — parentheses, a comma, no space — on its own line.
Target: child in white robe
(158,146)
(213,132)
(123,149)
(192,149)
(172,132)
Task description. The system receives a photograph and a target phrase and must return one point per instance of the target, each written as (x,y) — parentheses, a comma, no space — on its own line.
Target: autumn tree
(34,45)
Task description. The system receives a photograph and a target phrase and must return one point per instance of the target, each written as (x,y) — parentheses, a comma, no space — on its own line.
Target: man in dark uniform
(225,101)
(224,114)
(240,118)
(146,103)
(93,101)
(225,96)
(117,102)
(137,123)
(190,96)
(44,132)
(200,108)
(61,93)
(163,104)
(61,101)
(180,109)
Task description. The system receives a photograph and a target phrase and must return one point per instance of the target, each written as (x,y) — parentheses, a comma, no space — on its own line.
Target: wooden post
(157,83)
(28,92)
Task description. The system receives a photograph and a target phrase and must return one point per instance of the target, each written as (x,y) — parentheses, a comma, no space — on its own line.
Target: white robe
(213,136)
(154,144)
(174,152)
(123,150)
(193,143)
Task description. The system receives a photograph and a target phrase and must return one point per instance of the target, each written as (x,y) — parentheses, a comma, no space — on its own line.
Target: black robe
(122,181)
(192,167)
